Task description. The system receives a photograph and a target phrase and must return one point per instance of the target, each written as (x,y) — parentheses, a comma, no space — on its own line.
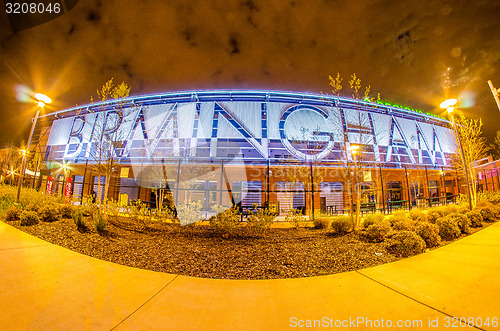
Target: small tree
(10,164)
(107,137)
(474,148)
(354,173)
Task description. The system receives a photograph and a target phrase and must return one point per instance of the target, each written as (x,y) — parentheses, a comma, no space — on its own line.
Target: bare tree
(355,160)
(107,138)
(474,148)
(10,161)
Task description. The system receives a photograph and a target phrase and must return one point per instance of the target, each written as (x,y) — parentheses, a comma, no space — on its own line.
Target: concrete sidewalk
(48,287)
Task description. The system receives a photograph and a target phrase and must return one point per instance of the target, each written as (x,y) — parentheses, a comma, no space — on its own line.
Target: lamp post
(449,105)
(41,99)
(495,93)
(354,149)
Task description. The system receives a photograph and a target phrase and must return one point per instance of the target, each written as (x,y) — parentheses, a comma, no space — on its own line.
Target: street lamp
(449,105)
(41,99)
(354,149)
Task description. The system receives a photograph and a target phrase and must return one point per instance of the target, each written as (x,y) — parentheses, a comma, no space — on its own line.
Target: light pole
(495,93)
(449,105)
(41,99)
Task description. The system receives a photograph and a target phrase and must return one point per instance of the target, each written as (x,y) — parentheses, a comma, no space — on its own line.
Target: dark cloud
(413,52)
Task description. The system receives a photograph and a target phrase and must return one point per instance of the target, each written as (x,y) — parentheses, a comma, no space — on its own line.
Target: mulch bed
(196,251)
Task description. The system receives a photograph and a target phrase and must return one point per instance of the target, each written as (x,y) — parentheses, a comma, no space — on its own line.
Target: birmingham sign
(266,129)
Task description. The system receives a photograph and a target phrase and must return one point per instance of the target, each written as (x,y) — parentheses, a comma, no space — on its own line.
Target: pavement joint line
(413,299)
(154,295)
(23,247)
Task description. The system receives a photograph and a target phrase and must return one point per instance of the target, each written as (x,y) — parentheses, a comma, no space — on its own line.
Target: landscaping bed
(226,248)
(196,251)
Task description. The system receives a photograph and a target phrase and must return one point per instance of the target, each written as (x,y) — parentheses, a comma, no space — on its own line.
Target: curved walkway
(44,286)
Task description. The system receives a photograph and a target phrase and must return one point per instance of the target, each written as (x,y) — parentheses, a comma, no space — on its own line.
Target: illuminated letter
(75,137)
(314,127)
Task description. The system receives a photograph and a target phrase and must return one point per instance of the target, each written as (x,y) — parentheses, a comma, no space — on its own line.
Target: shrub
(462,209)
(487,213)
(88,208)
(491,197)
(8,197)
(405,243)
(259,222)
(49,213)
(443,210)
(377,232)
(189,213)
(417,215)
(475,218)
(294,217)
(496,212)
(77,216)
(12,214)
(448,228)
(432,216)
(139,211)
(372,219)
(448,209)
(66,210)
(227,221)
(464,224)
(462,221)
(491,210)
(29,218)
(321,222)
(341,225)
(429,233)
(483,203)
(398,216)
(162,214)
(31,207)
(112,208)
(100,221)
(407,225)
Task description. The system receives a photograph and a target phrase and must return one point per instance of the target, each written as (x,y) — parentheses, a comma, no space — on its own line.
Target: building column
(382,187)
(408,188)
(428,187)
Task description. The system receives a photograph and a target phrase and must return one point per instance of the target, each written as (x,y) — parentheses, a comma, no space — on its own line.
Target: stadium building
(277,149)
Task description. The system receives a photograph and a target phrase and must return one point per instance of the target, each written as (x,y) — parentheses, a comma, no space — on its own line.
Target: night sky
(415,53)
